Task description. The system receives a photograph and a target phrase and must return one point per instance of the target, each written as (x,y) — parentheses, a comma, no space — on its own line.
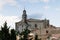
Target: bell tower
(24,20)
(24,16)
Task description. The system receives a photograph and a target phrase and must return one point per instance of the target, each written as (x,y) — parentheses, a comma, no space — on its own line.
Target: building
(31,23)
(42,28)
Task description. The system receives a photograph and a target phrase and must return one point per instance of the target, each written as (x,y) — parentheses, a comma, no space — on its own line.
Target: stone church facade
(31,23)
(42,28)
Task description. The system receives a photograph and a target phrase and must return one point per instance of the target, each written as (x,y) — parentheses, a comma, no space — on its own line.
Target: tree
(0,35)
(5,35)
(25,33)
(13,34)
(5,32)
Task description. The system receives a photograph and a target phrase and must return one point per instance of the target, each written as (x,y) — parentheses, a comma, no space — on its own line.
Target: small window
(46,31)
(35,25)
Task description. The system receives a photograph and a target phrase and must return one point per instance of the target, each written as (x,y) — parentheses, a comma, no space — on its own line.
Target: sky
(12,10)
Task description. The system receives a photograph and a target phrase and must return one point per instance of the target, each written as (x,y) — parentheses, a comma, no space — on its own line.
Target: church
(31,23)
(39,27)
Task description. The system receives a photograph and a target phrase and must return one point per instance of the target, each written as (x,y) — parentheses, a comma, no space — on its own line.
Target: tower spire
(24,15)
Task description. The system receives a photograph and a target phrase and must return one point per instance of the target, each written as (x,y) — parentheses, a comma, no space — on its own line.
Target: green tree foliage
(13,34)
(5,32)
(0,35)
(5,35)
(25,33)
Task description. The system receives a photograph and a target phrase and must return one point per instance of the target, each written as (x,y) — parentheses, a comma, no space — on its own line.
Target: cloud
(57,9)
(36,15)
(1,4)
(46,7)
(12,2)
(10,20)
(30,1)
(46,1)
(36,1)
(4,2)
(33,1)
(15,2)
